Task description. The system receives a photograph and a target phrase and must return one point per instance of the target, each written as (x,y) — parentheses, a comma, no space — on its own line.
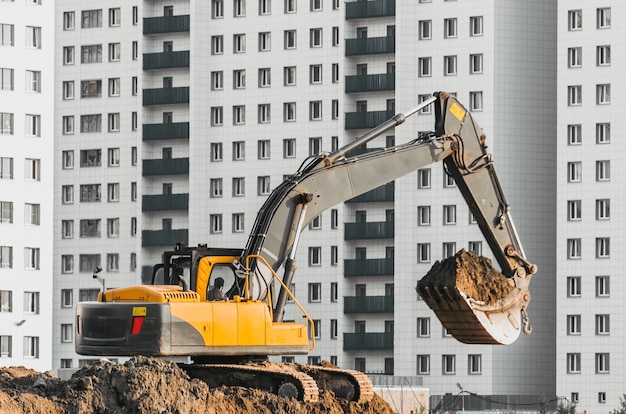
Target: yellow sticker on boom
(457,111)
(139,311)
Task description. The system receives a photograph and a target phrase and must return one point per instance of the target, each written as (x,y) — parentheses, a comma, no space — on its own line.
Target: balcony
(369,231)
(166,60)
(167,166)
(169,238)
(371,83)
(368,267)
(367,341)
(370,46)
(165,202)
(368,304)
(166,96)
(165,24)
(365,120)
(366,9)
(379,194)
(174,130)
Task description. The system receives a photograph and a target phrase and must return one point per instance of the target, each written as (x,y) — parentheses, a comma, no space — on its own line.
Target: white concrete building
(26,183)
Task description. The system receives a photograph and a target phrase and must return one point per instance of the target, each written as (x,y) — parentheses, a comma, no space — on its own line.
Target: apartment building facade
(26,183)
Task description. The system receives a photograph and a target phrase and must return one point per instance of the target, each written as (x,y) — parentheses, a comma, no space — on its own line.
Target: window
(315,110)
(334,331)
(335,36)
(115,17)
(216,223)
(6,34)
(239,186)
(133,226)
(289,75)
(33,37)
(89,193)
(67,193)
(289,148)
(574,172)
(425,30)
(113,262)
(604,18)
(449,249)
(114,122)
(573,324)
(67,332)
(315,254)
(575,19)
(476,101)
(239,8)
(32,214)
(91,54)
(217,116)
(315,145)
(6,257)
(449,65)
(602,286)
(134,86)
(602,397)
(423,178)
(264,149)
(6,348)
(67,263)
(91,88)
(335,72)
(33,81)
(265,79)
(217,152)
(289,111)
(573,286)
(603,247)
(265,7)
(91,19)
(135,15)
(602,324)
(575,57)
(334,258)
(67,298)
(31,347)
(115,50)
(423,364)
(474,364)
(90,158)
(423,215)
(476,26)
(67,229)
(574,95)
(264,113)
(239,43)
(114,86)
(423,327)
(31,303)
(603,133)
(574,210)
(315,292)
(449,364)
(265,43)
(290,39)
(573,248)
(476,247)
(239,115)
(85,295)
(603,170)
(316,223)
(113,227)
(315,37)
(603,209)
(6,212)
(31,258)
(6,79)
(68,55)
(423,252)
(6,123)
(333,292)
(315,74)
(133,127)
(476,63)
(602,363)
(449,27)
(67,158)
(89,228)
(449,214)
(6,168)
(69,20)
(217,80)
(603,55)
(425,66)
(238,223)
(573,363)
(217,45)
(216,187)
(217,9)
(574,134)
(603,94)
(239,151)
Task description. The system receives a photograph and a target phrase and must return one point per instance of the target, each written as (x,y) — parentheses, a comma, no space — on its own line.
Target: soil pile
(148,385)
(473,275)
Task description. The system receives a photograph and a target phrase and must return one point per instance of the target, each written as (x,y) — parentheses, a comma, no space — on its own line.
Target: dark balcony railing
(166,166)
(363,9)
(175,130)
(369,231)
(368,267)
(368,304)
(165,24)
(366,120)
(164,96)
(163,202)
(369,340)
(379,194)
(370,45)
(371,83)
(166,60)
(152,238)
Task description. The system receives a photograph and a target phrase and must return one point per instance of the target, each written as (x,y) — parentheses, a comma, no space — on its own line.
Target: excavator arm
(329,179)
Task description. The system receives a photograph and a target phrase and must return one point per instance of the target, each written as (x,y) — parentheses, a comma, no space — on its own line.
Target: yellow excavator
(172,317)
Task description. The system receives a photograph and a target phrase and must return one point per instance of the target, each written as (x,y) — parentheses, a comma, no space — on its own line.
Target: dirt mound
(148,385)
(473,275)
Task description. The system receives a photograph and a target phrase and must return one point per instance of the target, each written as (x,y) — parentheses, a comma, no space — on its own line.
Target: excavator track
(348,384)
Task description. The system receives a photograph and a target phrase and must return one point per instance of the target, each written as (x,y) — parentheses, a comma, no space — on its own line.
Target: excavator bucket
(476,303)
